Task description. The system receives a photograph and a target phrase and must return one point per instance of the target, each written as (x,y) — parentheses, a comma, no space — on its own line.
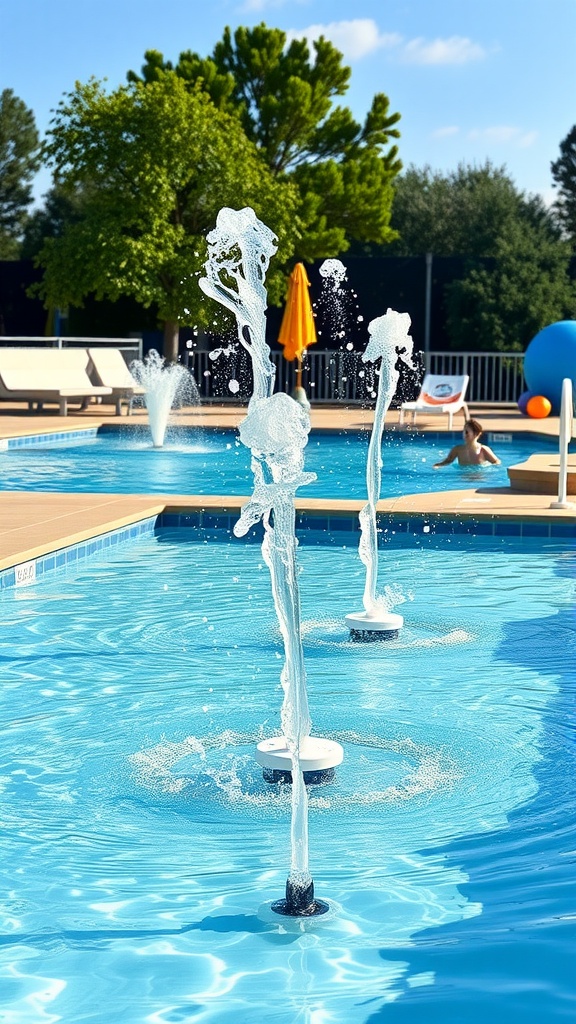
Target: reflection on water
(215,462)
(141,845)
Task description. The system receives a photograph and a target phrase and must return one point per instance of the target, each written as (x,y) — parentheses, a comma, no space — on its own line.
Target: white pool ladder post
(565,436)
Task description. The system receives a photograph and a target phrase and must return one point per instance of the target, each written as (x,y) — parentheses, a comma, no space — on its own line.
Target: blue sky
(472,79)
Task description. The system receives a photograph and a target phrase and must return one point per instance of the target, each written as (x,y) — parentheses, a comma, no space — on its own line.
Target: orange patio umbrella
(297,330)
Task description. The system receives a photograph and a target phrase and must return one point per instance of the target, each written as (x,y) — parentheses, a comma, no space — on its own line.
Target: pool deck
(35,524)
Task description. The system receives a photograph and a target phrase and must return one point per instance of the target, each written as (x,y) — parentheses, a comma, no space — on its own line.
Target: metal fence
(495,377)
(329,377)
(334,377)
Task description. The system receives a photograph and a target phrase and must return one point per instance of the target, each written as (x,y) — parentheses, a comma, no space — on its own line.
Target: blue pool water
(208,462)
(140,846)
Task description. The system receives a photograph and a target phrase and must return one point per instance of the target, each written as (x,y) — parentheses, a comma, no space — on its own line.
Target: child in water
(471,453)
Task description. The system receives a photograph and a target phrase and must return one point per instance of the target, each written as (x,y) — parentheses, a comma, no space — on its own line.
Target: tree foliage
(284,98)
(564,175)
(19,160)
(461,213)
(152,165)
(61,208)
(528,287)
(516,278)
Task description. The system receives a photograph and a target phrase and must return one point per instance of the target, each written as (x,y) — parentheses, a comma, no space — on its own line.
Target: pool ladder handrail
(565,435)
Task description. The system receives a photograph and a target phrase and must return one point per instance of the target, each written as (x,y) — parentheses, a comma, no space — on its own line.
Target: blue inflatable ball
(523,401)
(549,358)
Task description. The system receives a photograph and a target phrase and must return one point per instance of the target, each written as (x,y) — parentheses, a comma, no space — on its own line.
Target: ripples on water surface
(214,462)
(141,847)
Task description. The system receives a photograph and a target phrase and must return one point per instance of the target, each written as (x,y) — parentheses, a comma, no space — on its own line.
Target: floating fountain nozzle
(365,628)
(318,758)
(299,900)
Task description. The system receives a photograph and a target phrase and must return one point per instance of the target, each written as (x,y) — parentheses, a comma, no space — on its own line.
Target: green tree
(515,276)
(564,175)
(528,287)
(50,221)
(461,213)
(154,164)
(284,98)
(19,161)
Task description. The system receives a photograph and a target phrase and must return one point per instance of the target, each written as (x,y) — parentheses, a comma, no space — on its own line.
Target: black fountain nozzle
(315,777)
(299,901)
(367,636)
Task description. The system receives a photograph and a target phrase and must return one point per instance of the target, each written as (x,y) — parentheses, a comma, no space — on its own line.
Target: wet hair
(475,426)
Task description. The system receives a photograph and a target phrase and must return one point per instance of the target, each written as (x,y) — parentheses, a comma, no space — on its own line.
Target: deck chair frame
(440,394)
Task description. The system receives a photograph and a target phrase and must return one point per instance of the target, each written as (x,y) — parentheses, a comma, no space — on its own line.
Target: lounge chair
(110,369)
(47,376)
(440,393)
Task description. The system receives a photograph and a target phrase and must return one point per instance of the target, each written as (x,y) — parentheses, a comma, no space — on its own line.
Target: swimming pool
(141,846)
(214,462)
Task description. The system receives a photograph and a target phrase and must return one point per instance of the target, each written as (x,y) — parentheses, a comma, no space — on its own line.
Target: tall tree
(154,164)
(528,286)
(284,97)
(461,213)
(19,161)
(60,209)
(564,175)
(515,276)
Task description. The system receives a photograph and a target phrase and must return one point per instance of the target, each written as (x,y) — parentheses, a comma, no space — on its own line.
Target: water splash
(239,252)
(333,271)
(389,342)
(164,384)
(276,431)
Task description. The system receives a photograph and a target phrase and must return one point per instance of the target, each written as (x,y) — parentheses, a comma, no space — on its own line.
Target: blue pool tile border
(33,440)
(326,530)
(310,526)
(29,572)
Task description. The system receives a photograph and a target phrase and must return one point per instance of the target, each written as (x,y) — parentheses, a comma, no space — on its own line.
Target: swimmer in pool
(471,453)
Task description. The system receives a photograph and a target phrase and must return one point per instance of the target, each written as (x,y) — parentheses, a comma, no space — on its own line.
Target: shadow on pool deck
(33,524)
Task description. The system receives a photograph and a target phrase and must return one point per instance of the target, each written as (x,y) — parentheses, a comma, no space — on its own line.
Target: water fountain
(164,384)
(389,342)
(276,431)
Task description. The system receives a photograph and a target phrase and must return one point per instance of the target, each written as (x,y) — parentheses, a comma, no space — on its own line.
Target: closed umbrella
(298,330)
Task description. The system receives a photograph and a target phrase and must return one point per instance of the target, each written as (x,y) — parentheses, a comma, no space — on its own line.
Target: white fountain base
(365,628)
(318,759)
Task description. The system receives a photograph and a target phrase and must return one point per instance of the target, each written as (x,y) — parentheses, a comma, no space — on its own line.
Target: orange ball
(538,407)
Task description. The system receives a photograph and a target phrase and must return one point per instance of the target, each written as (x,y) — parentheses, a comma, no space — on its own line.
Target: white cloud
(454,50)
(261,5)
(446,132)
(353,38)
(502,134)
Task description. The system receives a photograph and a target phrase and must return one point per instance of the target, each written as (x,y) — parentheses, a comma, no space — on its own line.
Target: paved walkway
(15,420)
(32,524)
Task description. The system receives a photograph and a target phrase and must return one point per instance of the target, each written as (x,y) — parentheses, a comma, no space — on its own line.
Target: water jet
(164,384)
(276,431)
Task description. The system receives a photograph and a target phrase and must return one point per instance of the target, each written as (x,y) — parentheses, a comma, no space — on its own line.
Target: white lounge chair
(46,376)
(109,367)
(440,393)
